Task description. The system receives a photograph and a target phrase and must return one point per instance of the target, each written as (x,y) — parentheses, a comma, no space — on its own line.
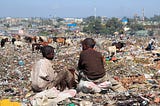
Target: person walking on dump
(91,66)
(43,76)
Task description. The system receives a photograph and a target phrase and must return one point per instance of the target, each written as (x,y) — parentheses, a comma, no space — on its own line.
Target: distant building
(72,20)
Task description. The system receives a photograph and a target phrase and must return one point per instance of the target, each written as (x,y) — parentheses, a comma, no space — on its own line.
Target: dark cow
(3,41)
(29,39)
(42,43)
(118,45)
(13,40)
(37,47)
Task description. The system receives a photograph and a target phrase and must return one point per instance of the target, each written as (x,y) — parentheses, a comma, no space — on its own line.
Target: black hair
(48,52)
(89,42)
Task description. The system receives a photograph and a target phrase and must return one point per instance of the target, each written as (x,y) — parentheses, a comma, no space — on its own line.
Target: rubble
(135,68)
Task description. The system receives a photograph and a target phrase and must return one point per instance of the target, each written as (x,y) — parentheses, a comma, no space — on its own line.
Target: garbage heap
(138,70)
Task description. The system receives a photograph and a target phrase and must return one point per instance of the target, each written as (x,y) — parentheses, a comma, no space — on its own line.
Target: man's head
(88,43)
(48,52)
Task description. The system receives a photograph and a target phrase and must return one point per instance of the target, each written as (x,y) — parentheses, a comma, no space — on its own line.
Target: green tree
(136,26)
(113,25)
(93,26)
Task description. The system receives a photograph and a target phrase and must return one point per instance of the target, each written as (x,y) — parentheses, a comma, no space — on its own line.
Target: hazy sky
(78,8)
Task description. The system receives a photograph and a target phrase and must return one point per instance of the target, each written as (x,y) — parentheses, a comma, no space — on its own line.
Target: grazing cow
(34,39)
(115,47)
(30,39)
(36,46)
(68,42)
(13,40)
(118,45)
(17,37)
(3,41)
(111,50)
(61,40)
(43,39)
(19,43)
(43,42)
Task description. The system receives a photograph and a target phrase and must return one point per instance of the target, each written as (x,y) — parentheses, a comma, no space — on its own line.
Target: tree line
(109,26)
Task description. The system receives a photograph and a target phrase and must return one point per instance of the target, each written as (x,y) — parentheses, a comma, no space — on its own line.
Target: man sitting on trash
(91,67)
(43,76)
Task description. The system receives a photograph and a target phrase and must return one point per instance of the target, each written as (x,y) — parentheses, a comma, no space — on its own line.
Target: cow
(43,41)
(37,46)
(61,40)
(68,42)
(118,45)
(17,37)
(13,40)
(112,50)
(42,38)
(19,44)
(3,41)
(30,39)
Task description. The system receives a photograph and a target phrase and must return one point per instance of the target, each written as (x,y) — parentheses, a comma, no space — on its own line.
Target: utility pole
(143,15)
(95,10)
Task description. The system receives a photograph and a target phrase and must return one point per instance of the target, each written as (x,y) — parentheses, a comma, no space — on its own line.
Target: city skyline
(78,8)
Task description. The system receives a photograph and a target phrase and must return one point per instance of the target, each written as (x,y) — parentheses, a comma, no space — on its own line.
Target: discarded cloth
(51,97)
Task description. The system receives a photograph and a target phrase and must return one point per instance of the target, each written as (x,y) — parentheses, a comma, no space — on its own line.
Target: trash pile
(138,71)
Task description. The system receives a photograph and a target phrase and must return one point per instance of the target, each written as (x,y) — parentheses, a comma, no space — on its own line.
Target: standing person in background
(91,66)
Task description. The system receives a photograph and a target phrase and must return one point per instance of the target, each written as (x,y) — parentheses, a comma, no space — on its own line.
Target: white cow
(111,49)
(68,42)
(19,43)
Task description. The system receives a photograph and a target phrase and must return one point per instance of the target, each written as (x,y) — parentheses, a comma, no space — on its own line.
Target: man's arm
(80,63)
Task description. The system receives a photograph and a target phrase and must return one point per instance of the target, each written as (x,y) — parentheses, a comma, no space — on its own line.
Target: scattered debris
(137,69)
